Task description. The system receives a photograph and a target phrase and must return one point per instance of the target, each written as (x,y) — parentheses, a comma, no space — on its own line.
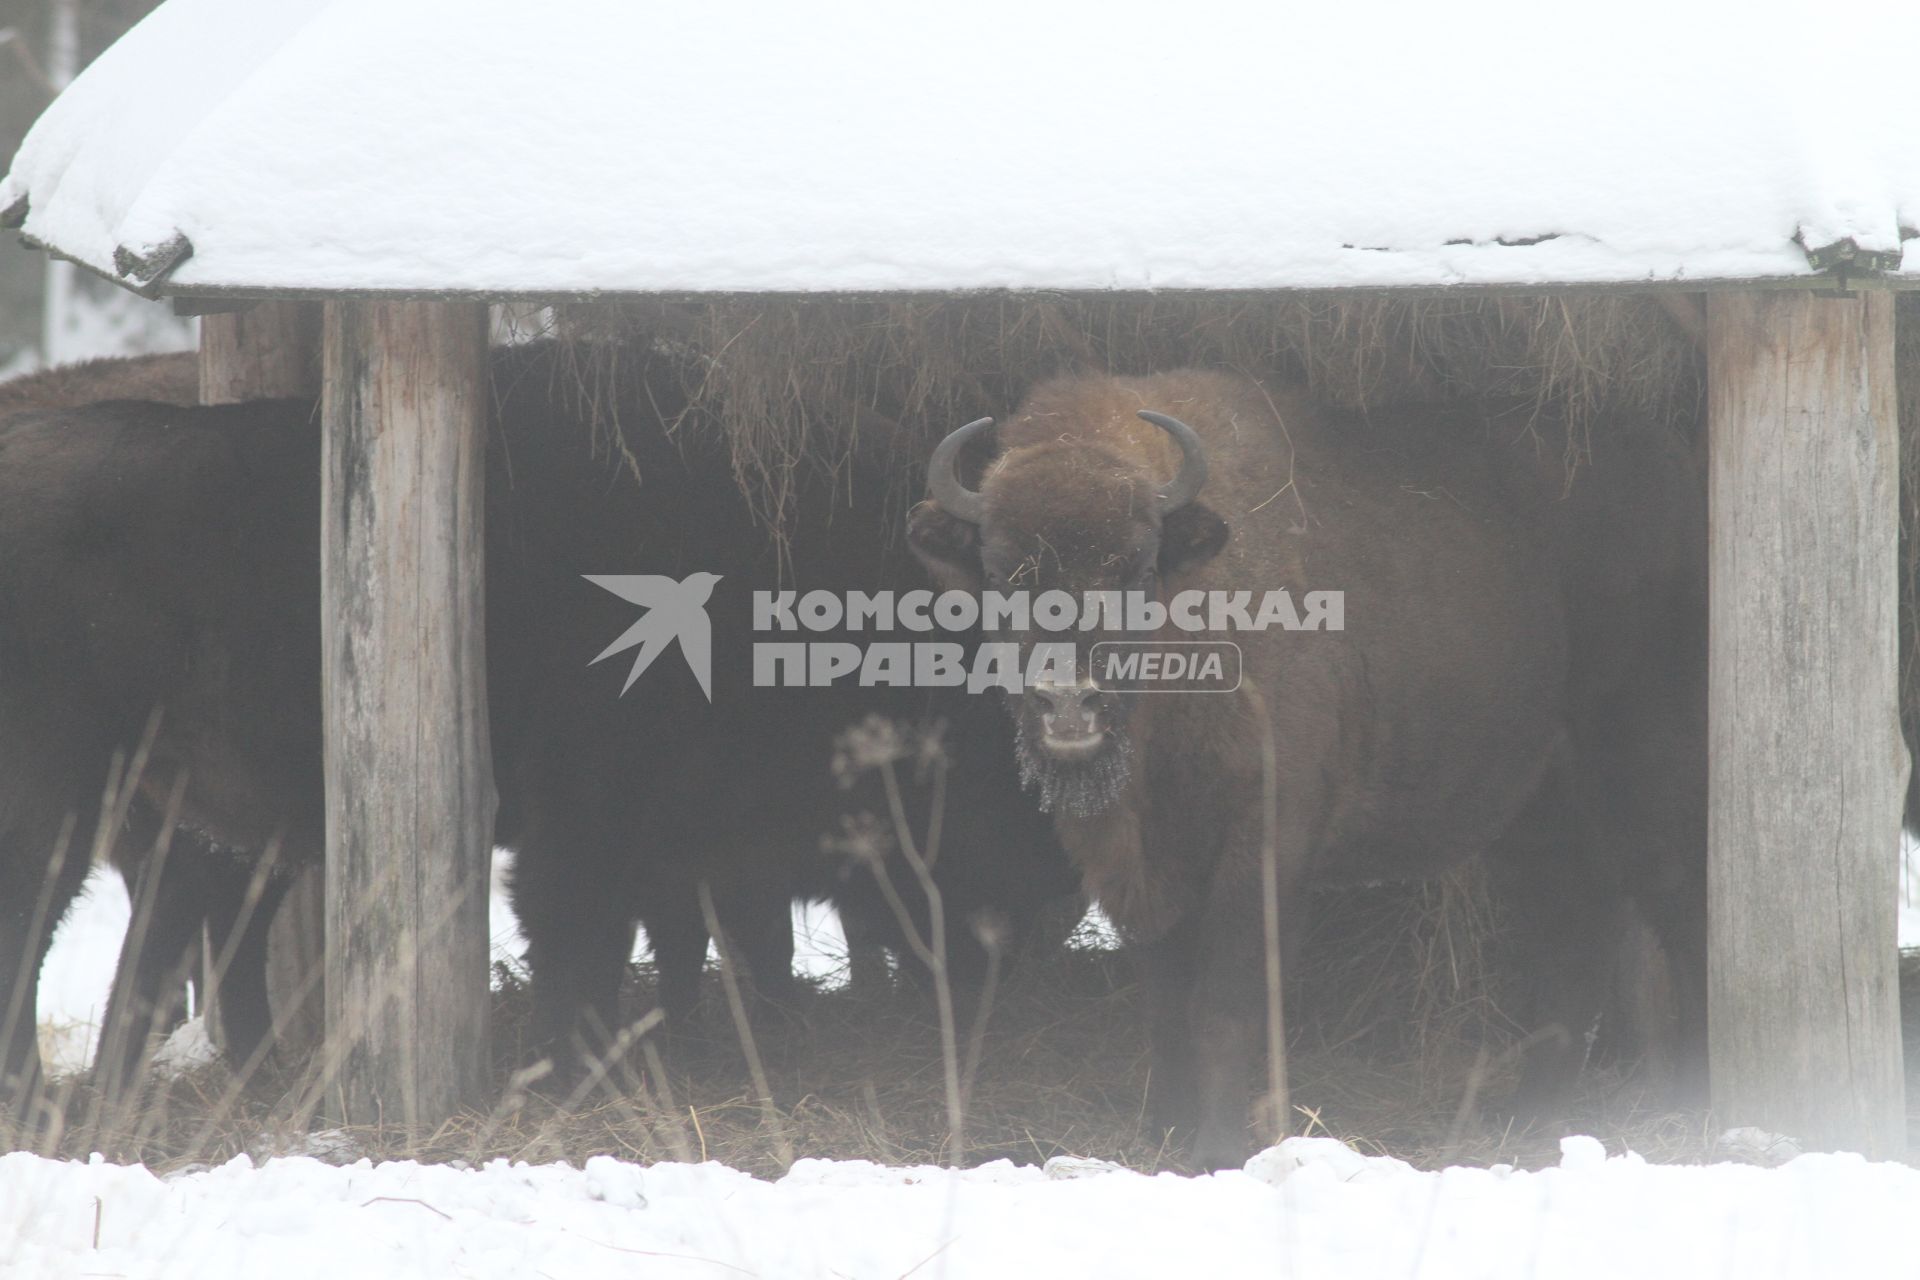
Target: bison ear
(947,545)
(1190,536)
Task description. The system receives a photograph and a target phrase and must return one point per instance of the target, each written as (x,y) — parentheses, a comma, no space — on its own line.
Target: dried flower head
(862,839)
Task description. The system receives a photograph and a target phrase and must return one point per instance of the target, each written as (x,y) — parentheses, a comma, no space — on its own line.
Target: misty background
(53,313)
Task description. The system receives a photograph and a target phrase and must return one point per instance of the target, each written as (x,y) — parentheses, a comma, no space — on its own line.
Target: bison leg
(576,994)
(1671,993)
(1230,1004)
(1207,1000)
(678,934)
(192,884)
(1168,966)
(1568,910)
(579,937)
(1654,816)
(758,921)
(241,904)
(868,970)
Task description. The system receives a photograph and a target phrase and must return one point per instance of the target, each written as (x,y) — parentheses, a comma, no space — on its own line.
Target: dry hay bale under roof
(1427,971)
(797,380)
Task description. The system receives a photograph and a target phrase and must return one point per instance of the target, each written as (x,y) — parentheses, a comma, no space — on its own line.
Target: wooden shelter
(375,163)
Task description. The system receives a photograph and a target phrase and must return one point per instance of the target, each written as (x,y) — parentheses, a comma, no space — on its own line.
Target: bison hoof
(1214,1151)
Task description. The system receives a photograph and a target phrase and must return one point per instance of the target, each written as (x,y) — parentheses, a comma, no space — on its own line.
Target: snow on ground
(78,972)
(1308,1208)
(865,145)
(79,968)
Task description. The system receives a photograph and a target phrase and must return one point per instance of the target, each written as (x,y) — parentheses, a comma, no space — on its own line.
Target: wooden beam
(266,352)
(410,796)
(1807,769)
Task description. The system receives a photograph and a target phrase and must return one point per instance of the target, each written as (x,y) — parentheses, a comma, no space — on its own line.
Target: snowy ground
(79,969)
(1308,1208)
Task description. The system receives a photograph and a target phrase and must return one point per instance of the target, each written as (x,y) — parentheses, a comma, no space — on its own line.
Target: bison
(150,568)
(168,379)
(204,885)
(1499,632)
(166,559)
(621,803)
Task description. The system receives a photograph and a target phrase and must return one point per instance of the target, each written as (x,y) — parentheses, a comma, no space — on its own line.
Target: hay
(1418,971)
(798,382)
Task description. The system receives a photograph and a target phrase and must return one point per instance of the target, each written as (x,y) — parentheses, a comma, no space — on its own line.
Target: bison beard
(1079,789)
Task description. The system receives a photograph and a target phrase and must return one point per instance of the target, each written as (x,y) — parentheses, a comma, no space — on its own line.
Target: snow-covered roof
(573,146)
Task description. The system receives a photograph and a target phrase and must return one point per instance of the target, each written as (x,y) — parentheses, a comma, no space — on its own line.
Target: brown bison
(166,559)
(1455,710)
(168,379)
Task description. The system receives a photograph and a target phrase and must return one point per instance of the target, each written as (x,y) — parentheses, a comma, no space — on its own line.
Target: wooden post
(272,351)
(409,774)
(269,351)
(1807,769)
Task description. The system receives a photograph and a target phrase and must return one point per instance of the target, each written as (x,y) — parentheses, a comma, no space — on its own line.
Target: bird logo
(674,611)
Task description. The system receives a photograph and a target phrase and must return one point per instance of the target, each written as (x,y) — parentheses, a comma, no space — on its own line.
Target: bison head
(1078,512)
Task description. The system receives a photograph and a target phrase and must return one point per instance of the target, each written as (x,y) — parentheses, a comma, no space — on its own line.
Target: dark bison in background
(150,567)
(206,886)
(588,775)
(1517,658)
(165,560)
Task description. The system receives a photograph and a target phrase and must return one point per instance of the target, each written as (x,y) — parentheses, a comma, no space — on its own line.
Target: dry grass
(1399,1045)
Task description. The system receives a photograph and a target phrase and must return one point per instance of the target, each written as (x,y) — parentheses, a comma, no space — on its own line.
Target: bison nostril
(1077,705)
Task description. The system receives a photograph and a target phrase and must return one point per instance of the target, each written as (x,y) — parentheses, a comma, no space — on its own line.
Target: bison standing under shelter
(1411,739)
(302,167)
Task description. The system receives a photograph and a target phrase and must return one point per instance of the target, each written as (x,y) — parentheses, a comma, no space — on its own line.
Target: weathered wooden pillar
(267,351)
(271,351)
(1807,769)
(409,773)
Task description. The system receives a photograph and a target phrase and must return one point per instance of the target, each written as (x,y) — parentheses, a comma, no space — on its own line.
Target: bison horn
(1192,476)
(943,474)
